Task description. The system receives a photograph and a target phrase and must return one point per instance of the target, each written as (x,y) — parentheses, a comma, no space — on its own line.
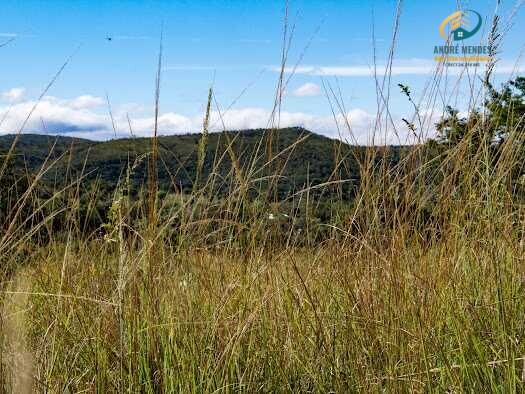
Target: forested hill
(306,157)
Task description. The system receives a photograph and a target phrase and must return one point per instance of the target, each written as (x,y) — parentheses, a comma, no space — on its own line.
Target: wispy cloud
(207,67)
(13,35)
(356,71)
(308,89)
(410,67)
(13,95)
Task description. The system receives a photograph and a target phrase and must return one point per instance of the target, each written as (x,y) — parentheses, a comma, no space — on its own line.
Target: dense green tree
(507,107)
(503,112)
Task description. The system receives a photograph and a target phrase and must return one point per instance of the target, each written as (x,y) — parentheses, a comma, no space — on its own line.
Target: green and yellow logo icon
(459,23)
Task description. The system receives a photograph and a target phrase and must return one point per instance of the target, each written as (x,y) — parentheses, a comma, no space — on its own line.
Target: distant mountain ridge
(310,161)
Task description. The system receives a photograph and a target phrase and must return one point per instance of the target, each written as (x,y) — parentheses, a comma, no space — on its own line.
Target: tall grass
(414,285)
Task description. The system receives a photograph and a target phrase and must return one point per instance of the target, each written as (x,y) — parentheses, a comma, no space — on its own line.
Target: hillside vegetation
(312,157)
(302,159)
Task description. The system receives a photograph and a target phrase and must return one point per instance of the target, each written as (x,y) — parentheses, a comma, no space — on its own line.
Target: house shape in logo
(459,33)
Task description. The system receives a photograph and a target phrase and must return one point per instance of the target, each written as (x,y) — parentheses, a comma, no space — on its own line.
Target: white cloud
(168,123)
(13,95)
(87,101)
(361,124)
(357,71)
(308,89)
(401,67)
(82,117)
(51,115)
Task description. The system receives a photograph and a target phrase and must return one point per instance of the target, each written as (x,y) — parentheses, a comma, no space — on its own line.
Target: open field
(232,294)
(450,317)
(276,259)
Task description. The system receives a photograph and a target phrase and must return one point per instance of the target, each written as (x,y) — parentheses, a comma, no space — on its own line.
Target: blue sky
(235,45)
